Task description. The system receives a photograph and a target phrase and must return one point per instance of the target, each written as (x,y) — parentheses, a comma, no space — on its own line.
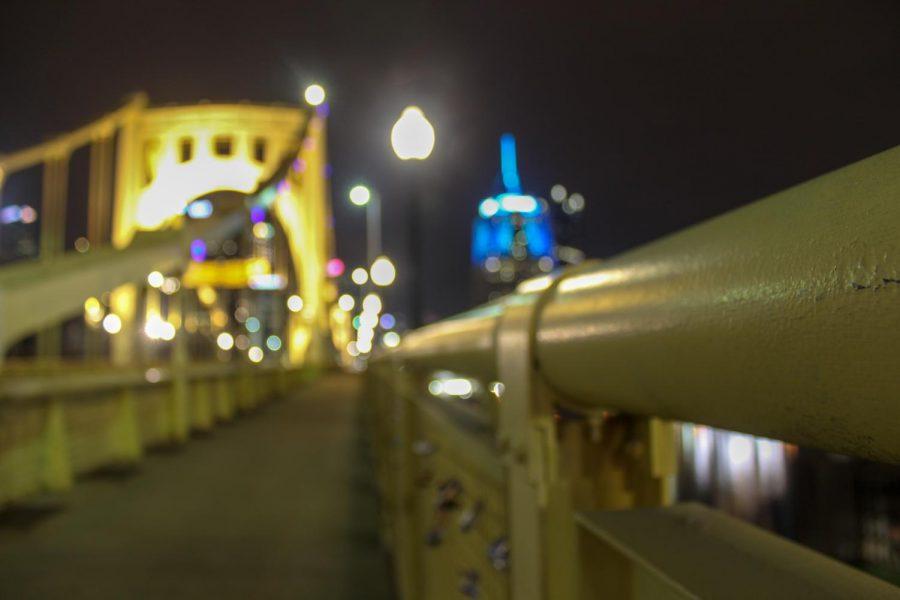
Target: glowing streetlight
(295,303)
(346,302)
(383,271)
(112,323)
(359,276)
(225,341)
(360,195)
(412,136)
(314,95)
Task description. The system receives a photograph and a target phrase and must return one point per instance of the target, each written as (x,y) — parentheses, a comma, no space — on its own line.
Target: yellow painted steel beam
(779,319)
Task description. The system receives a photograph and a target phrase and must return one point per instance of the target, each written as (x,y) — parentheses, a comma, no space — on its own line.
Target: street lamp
(361,195)
(314,94)
(412,138)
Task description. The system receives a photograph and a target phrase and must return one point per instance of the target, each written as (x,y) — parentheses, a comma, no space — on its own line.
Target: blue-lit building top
(512,226)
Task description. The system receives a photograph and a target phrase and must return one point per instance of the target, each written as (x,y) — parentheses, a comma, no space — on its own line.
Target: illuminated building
(512,236)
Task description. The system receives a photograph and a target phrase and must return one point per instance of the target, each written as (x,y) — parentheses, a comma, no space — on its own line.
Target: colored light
(198,250)
(273,343)
(93,310)
(263,231)
(391,339)
(558,192)
(372,303)
(387,321)
(412,136)
(314,94)
(206,294)
(356,322)
(225,341)
(346,302)
(257,214)
(112,323)
(295,303)
(28,214)
(352,350)
(359,276)
(266,281)
(517,203)
(334,267)
(156,279)
(508,167)
(170,286)
(200,209)
(488,208)
(252,324)
(10,214)
(360,195)
(255,354)
(383,271)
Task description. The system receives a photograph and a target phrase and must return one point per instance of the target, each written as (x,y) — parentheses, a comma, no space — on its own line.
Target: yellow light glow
(156,279)
(352,350)
(314,94)
(207,295)
(359,276)
(360,195)
(372,304)
(295,303)
(346,302)
(93,310)
(383,271)
(391,339)
(219,318)
(255,354)
(412,136)
(225,341)
(112,323)
(157,329)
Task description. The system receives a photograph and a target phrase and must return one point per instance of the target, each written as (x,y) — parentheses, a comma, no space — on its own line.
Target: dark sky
(661,114)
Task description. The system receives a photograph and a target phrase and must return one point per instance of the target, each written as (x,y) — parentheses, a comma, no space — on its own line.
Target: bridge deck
(277,505)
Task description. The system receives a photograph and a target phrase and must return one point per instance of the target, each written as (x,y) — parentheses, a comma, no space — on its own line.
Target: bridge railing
(779,319)
(59,421)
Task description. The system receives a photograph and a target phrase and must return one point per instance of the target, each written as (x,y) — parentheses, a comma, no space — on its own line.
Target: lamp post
(412,138)
(361,195)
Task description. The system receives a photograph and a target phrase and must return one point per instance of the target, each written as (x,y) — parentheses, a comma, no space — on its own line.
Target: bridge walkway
(278,504)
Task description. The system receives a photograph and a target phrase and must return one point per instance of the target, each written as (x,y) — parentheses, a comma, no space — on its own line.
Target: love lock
(469,516)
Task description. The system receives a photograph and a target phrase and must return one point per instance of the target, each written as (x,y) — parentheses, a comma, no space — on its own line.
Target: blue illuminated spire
(508,167)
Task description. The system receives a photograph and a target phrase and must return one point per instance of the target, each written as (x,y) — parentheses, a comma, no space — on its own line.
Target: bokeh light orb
(383,271)
(412,136)
(360,195)
(314,94)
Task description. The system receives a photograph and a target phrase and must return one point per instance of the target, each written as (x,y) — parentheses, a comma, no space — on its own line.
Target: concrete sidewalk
(278,504)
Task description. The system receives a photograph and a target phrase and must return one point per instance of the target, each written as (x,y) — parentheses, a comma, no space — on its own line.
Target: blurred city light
(346,302)
(82,245)
(252,324)
(387,321)
(372,304)
(255,354)
(295,303)
(334,267)
(360,195)
(200,209)
(225,341)
(155,279)
(112,323)
(314,94)
(412,136)
(391,339)
(207,295)
(359,276)
(558,192)
(93,310)
(273,343)
(383,271)
(198,250)
(352,350)
(263,231)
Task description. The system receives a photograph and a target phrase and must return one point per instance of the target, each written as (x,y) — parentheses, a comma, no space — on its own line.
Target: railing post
(125,438)
(56,473)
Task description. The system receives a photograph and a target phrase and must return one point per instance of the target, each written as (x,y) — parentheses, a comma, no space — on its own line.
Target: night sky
(660,114)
